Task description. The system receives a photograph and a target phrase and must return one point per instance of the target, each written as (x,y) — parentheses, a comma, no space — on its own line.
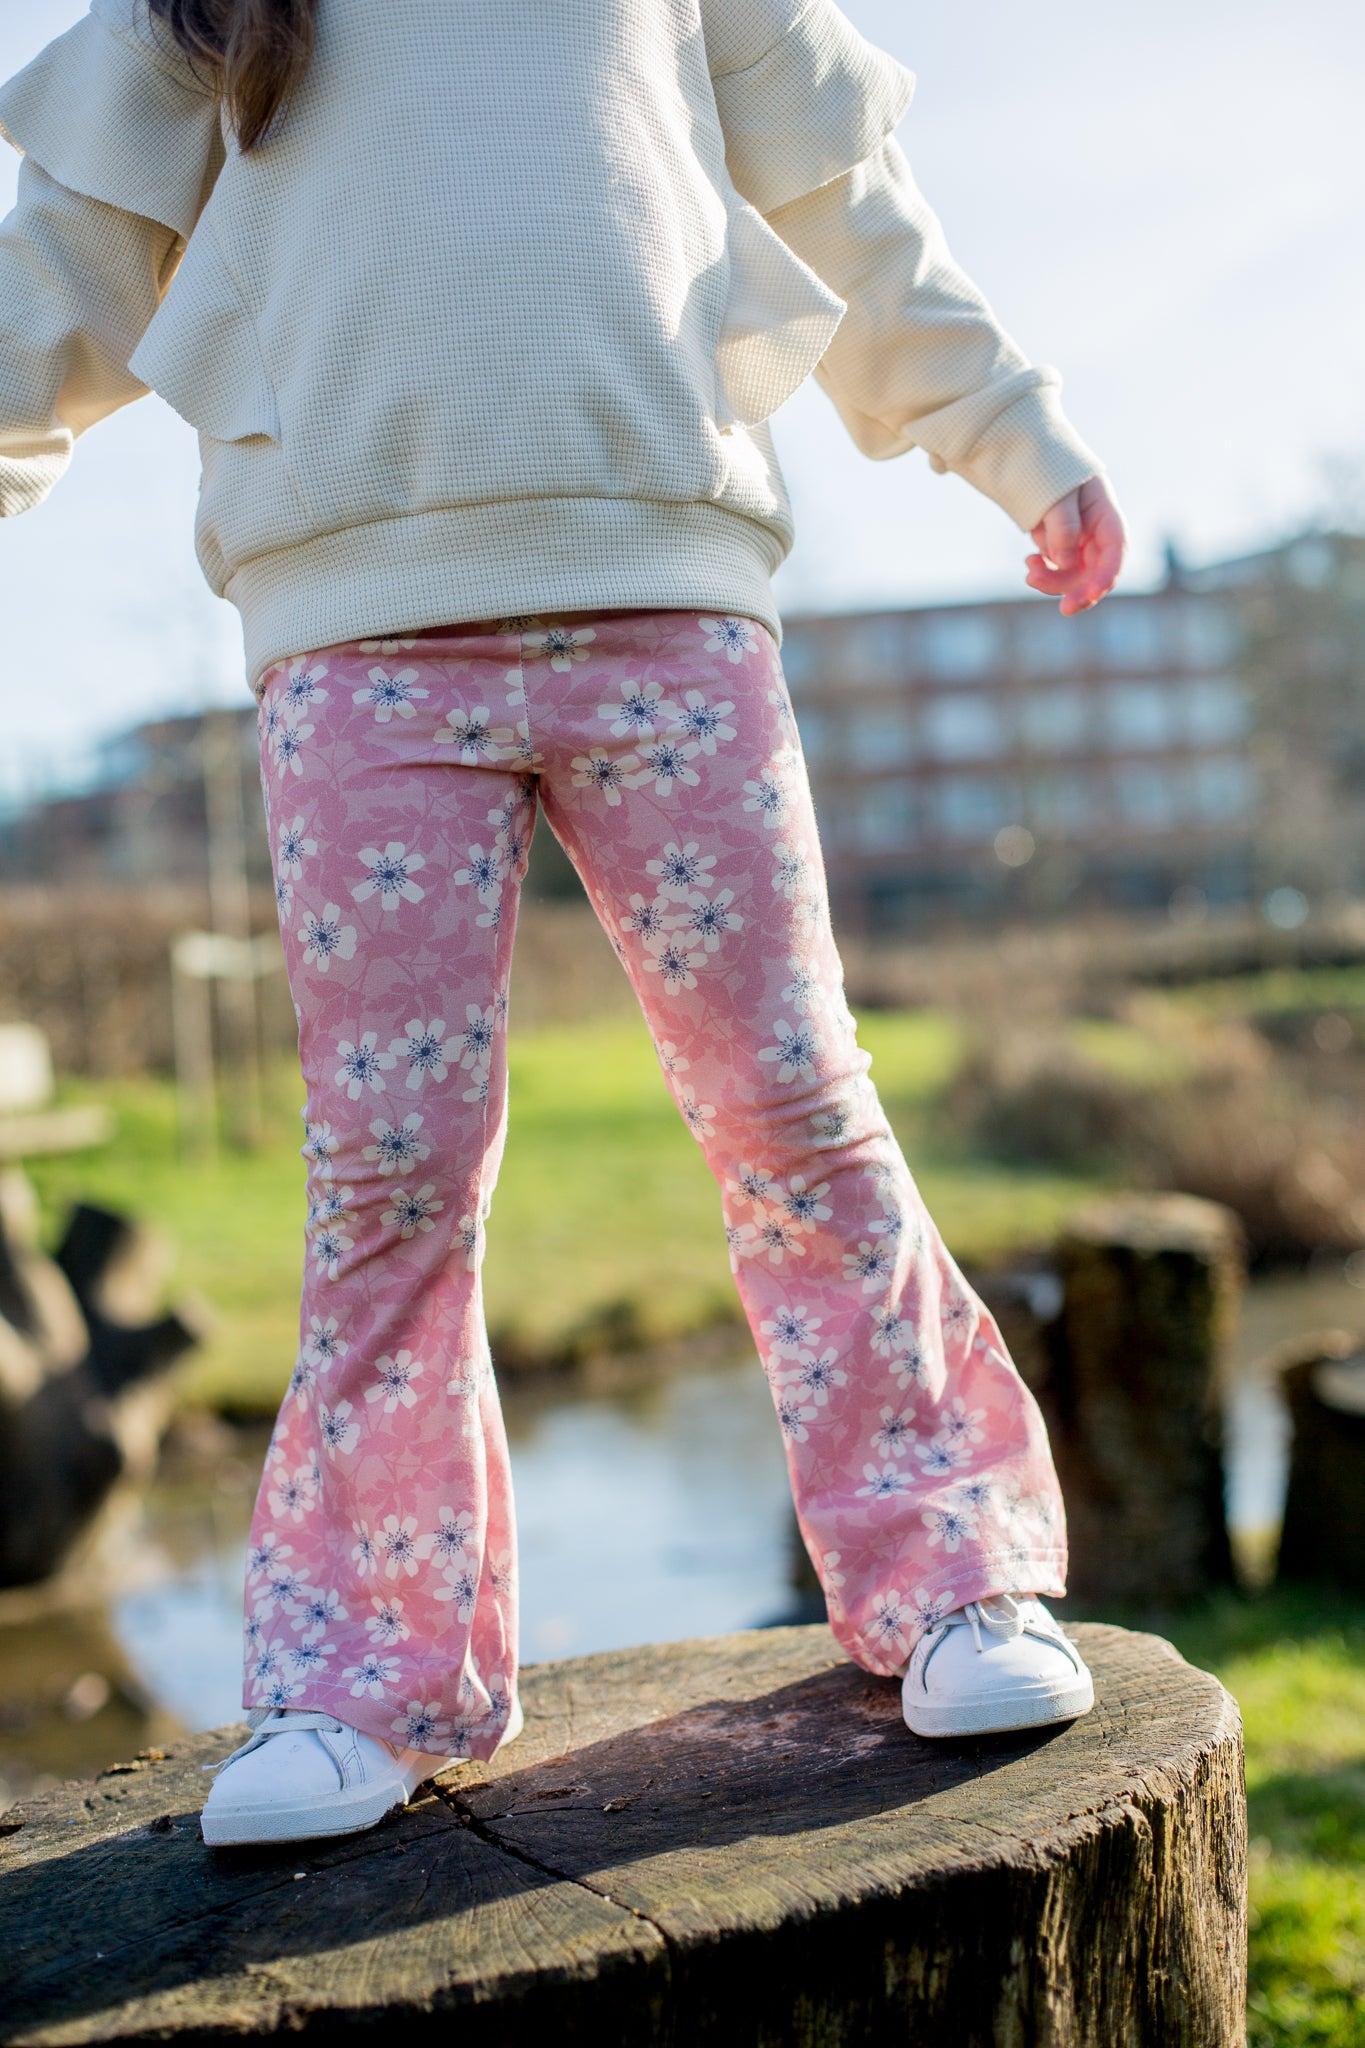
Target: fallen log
(733,1842)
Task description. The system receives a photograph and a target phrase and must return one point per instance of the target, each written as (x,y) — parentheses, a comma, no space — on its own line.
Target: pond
(690,1533)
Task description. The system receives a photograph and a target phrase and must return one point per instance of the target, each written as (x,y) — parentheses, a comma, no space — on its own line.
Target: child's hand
(1081,542)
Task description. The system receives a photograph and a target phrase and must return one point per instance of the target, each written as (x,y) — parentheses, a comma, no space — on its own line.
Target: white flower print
(777,1238)
(700,1117)
(561,645)
(889,1619)
(831,1578)
(363,1554)
(401,1548)
(319,1146)
(362,1066)
(397,1147)
(958,1424)
(832,1126)
(483,872)
(682,870)
(474,737)
(413,1210)
(793,1416)
(295,848)
(669,957)
(796,1051)
(384,646)
(895,1433)
(389,874)
(884,1485)
(477,1036)
(336,1428)
(751,1184)
(264,1558)
(734,638)
(295,1495)
(330,1247)
(790,871)
(316,1612)
(818,1374)
(928,1609)
(465,1384)
(388,694)
(394,1385)
(912,1369)
(373,1676)
(670,1059)
(461,1587)
(766,797)
(792,1330)
(805,1205)
(951,1525)
(329,1205)
(477,1091)
(284,897)
(702,724)
(742,1239)
(803,989)
(870,1263)
(287,745)
(607,777)
(420,1726)
(664,762)
(452,1538)
(640,711)
(890,1332)
(302,1380)
(426,1049)
(647,920)
(708,920)
(386,1624)
(302,686)
(467,1238)
(939,1457)
(326,938)
(322,1346)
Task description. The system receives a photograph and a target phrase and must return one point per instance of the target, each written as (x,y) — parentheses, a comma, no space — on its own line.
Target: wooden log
(1134,1396)
(733,1842)
(1323,1539)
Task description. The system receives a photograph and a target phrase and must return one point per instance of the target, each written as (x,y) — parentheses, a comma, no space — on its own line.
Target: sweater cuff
(1028,457)
(26,478)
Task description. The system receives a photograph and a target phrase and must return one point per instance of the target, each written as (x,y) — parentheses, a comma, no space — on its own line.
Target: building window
(879,739)
(1060,806)
(885,818)
(975,806)
(956,645)
(876,648)
(818,731)
(1147,795)
(1216,710)
(1056,721)
(1142,714)
(1130,633)
(1045,643)
(804,658)
(1223,790)
(1206,635)
(966,728)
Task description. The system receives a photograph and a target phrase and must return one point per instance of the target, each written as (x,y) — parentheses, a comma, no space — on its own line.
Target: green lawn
(604,1214)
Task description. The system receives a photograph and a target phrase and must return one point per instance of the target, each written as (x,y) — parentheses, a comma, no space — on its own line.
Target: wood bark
(733,1842)
(1324,1512)
(1133,1396)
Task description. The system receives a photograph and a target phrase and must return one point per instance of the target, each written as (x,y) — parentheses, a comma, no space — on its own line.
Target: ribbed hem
(506,560)
(1029,457)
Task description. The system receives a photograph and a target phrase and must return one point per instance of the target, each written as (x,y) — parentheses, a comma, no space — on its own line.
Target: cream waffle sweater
(493,322)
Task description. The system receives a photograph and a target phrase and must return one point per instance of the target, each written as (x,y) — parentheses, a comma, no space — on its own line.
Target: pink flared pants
(402,778)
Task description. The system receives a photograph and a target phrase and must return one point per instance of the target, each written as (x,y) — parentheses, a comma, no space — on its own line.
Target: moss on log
(725,1842)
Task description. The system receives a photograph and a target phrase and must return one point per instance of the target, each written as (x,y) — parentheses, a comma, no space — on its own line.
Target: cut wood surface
(733,1841)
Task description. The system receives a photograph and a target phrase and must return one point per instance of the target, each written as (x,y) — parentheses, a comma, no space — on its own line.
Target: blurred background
(1101,888)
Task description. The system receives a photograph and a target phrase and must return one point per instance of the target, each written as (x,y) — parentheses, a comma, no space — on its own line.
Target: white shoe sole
(348,1811)
(999,1713)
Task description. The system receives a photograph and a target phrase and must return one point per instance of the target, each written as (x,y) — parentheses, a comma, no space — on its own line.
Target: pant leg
(673,775)
(381,1581)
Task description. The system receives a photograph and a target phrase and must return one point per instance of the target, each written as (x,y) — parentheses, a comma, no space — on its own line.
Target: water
(655,1509)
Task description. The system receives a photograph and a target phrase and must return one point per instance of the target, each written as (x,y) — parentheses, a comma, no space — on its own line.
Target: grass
(1295,1662)
(605,1213)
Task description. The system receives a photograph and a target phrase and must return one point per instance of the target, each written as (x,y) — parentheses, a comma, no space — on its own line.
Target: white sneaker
(300,1775)
(994,1665)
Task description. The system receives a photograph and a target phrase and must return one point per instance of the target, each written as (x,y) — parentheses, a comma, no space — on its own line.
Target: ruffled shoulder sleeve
(113,110)
(802,96)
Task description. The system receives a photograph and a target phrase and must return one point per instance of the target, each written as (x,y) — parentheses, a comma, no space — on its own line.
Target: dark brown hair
(254,53)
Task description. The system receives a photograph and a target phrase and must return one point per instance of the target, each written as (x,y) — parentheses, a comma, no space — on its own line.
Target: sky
(1166,201)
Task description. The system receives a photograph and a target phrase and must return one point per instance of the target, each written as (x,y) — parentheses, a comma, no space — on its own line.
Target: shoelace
(277,1723)
(978,1615)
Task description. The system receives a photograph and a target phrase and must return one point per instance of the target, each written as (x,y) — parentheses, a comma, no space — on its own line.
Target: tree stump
(734,1842)
(1324,1512)
(1134,1396)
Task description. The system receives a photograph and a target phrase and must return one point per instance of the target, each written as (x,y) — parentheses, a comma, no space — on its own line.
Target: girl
(479,310)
